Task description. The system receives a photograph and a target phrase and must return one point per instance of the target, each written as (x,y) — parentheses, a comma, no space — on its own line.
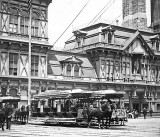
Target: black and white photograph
(79,68)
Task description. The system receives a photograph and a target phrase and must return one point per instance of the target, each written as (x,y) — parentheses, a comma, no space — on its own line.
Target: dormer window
(155,42)
(109,37)
(80,37)
(76,71)
(72,66)
(108,33)
(68,72)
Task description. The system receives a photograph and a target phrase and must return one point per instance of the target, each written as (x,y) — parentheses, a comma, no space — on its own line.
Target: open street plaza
(149,127)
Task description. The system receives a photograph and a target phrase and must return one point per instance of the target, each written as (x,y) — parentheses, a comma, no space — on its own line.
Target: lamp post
(29,56)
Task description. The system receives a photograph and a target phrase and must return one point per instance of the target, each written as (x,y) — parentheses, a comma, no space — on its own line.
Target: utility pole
(29,55)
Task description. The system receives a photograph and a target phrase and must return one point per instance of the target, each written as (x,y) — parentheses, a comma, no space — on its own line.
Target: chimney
(117,22)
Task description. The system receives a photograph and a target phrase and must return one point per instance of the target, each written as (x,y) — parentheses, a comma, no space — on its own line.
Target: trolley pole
(29,57)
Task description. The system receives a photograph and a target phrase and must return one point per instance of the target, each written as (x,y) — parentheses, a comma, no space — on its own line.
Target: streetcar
(76,99)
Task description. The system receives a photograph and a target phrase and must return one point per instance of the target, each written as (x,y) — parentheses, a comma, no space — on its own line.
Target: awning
(9,99)
(79,93)
(108,94)
(49,94)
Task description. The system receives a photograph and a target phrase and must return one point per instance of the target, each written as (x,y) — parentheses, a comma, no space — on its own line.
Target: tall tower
(134,14)
(155,15)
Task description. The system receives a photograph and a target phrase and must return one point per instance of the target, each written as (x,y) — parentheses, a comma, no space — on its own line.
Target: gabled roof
(72,59)
(108,28)
(138,49)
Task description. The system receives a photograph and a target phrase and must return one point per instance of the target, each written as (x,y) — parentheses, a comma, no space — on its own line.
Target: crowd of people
(8,113)
(135,114)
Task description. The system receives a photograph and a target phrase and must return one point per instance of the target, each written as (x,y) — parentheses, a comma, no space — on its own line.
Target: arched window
(4,92)
(68,70)
(24,22)
(35,24)
(76,71)
(109,37)
(13,21)
(13,92)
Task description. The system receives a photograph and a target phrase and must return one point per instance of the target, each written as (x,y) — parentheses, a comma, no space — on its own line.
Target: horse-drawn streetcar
(82,108)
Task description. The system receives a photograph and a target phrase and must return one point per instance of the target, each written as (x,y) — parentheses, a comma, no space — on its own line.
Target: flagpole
(29,61)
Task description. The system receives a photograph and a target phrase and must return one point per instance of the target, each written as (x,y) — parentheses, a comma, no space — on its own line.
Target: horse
(2,119)
(27,113)
(17,114)
(22,114)
(105,112)
(97,113)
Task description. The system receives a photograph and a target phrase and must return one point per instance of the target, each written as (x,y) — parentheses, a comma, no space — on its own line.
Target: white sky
(62,12)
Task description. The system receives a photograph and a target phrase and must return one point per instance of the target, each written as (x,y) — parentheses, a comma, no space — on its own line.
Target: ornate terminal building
(124,60)
(99,57)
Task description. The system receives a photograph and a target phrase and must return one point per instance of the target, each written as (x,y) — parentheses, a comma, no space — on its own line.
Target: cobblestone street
(140,127)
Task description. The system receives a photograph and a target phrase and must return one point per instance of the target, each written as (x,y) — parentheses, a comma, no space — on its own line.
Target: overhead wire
(116,18)
(96,15)
(71,23)
(103,13)
(99,12)
(105,10)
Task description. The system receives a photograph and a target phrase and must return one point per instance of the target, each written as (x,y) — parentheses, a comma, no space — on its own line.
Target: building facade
(124,60)
(14,37)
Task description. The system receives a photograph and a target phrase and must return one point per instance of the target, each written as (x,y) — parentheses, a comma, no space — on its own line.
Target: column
(112,38)
(39,102)
(72,74)
(100,35)
(130,101)
(19,91)
(19,24)
(59,106)
(106,38)
(46,102)
(80,71)
(41,106)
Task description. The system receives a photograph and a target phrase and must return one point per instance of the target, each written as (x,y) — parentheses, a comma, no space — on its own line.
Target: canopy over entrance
(78,93)
(9,99)
(105,94)
(55,94)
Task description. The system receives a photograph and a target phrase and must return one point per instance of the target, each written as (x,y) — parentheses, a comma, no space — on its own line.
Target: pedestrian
(144,113)
(8,113)
(2,118)
(151,111)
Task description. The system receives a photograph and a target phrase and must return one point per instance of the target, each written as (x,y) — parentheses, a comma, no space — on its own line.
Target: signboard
(120,113)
